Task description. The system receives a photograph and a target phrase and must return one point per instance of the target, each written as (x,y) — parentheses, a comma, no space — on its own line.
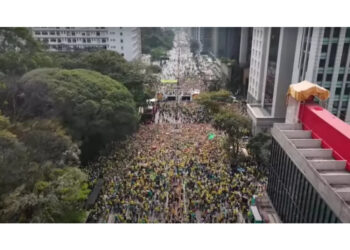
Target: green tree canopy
(259,146)
(214,99)
(133,75)
(153,37)
(37,182)
(94,108)
(20,52)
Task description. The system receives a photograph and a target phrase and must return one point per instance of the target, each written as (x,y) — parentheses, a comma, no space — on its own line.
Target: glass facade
(294,198)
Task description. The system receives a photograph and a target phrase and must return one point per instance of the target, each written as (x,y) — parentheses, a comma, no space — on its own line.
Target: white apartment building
(125,41)
(322,57)
(270,74)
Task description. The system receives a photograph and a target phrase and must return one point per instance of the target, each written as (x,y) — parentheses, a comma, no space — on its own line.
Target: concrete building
(245,46)
(309,178)
(125,41)
(221,42)
(271,68)
(322,56)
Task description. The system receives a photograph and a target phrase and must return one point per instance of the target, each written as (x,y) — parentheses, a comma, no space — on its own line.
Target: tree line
(58,112)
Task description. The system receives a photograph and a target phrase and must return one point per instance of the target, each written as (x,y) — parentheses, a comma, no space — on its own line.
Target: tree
(152,38)
(36,184)
(157,53)
(235,125)
(213,100)
(260,148)
(20,52)
(46,140)
(94,108)
(57,196)
(13,158)
(132,74)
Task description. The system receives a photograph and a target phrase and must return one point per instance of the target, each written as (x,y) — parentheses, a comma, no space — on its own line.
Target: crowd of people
(174,170)
(173,174)
(186,112)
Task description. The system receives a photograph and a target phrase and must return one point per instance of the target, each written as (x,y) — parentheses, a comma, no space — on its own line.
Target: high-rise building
(270,74)
(125,41)
(226,42)
(322,56)
(221,42)
(245,46)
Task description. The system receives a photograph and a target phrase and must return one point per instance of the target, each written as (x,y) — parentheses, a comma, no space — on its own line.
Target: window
(52,40)
(329,77)
(121,33)
(37,33)
(97,33)
(59,40)
(45,40)
(103,40)
(347,32)
(324,48)
(52,32)
(57,33)
(332,55)
(340,77)
(342,115)
(319,77)
(344,55)
(121,40)
(327,32)
(322,63)
(69,40)
(112,33)
(122,48)
(83,33)
(122,54)
(44,33)
(74,40)
(73,33)
(89,40)
(338,91)
(336,32)
(348,77)
(335,104)
(84,40)
(344,104)
(347,90)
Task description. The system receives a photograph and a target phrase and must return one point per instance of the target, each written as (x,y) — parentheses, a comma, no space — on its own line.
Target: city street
(176,169)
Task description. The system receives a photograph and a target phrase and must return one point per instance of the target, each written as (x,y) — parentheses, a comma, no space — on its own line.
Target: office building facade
(125,41)
(322,57)
(270,74)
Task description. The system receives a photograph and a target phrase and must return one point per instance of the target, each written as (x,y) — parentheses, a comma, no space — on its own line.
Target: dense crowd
(175,169)
(171,175)
(186,112)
